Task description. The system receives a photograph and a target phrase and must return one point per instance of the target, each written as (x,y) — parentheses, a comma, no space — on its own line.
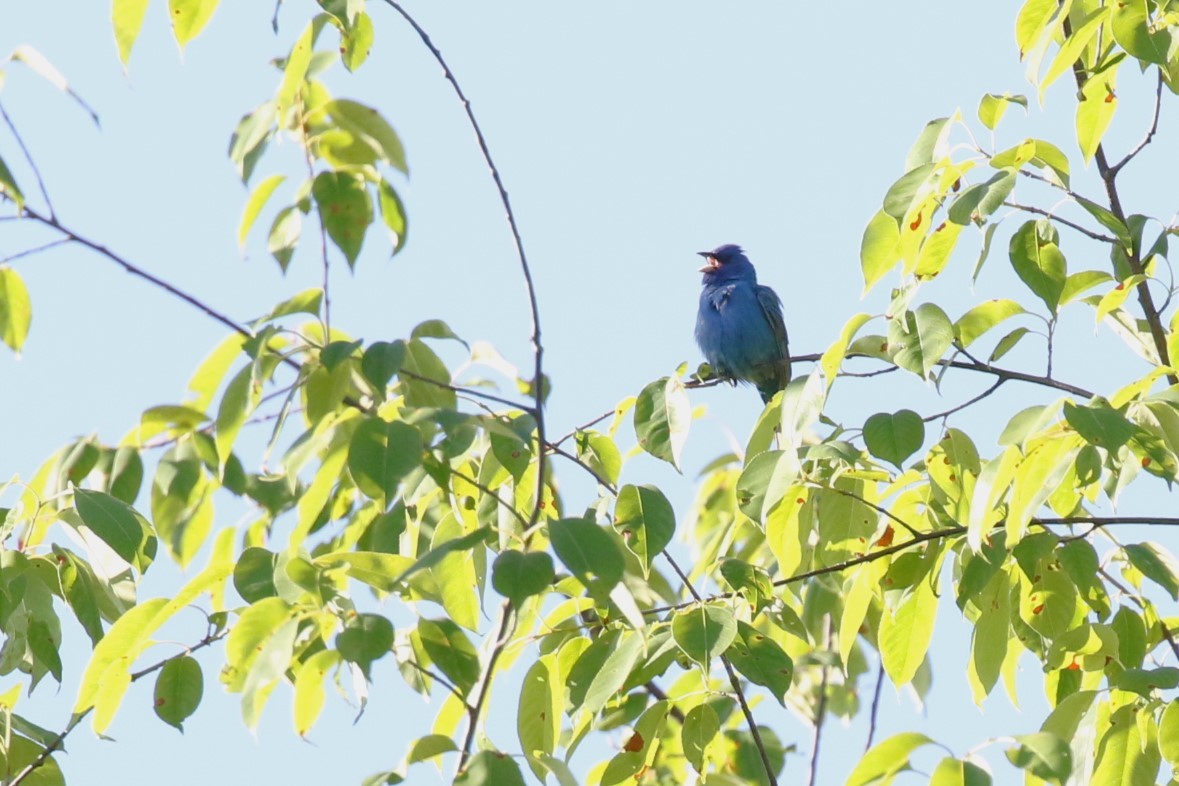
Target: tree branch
(994,386)
(771,776)
(821,710)
(474,711)
(538,385)
(20,142)
(1109,177)
(1154,127)
(1039,211)
(875,706)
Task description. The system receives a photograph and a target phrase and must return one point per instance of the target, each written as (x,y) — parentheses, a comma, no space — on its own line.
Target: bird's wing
(771,307)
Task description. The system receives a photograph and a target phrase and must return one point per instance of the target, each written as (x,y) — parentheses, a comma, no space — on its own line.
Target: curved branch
(1039,211)
(538,385)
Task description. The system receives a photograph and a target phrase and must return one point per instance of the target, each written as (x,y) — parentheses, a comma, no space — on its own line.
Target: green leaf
(587,551)
(930,145)
(878,248)
(451,651)
(1095,110)
(344,209)
(956,772)
(1157,564)
(309,301)
(295,68)
(700,729)
(762,661)
(1044,755)
(982,318)
(367,124)
(1128,754)
(380,454)
(1099,424)
(704,633)
(1076,284)
(309,689)
(894,437)
(257,200)
(393,214)
(538,715)
(189,17)
(662,417)
(1108,220)
(16,310)
(1139,34)
(1007,343)
(920,340)
(646,521)
(127,19)
(253,575)
(381,361)
(1146,681)
(490,768)
(238,402)
(907,190)
(518,576)
(250,138)
(118,525)
(9,187)
(366,638)
(356,41)
(601,453)
(179,687)
(284,236)
(1169,733)
(978,201)
(993,106)
(1038,261)
(905,633)
(425,378)
(614,671)
(887,758)
(763,483)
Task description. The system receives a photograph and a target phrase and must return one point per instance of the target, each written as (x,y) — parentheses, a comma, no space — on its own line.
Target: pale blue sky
(630,135)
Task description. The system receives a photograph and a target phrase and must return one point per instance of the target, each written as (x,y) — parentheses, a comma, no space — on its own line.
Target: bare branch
(28,252)
(538,385)
(1154,127)
(994,386)
(28,157)
(821,710)
(1039,211)
(507,623)
(873,714)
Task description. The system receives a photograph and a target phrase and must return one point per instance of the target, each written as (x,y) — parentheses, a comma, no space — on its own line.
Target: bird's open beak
(711,264)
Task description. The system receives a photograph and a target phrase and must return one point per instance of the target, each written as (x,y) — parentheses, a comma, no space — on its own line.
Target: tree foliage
(821,553)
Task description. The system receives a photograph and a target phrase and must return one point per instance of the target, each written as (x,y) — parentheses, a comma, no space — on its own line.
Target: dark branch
(994,386)
(872,715)
(28,157)
(1154,127)
(1039,211)
(538,385)
(474,711)
(821,710)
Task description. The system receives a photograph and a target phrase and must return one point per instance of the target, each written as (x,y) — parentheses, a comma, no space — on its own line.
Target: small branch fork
(1109,175)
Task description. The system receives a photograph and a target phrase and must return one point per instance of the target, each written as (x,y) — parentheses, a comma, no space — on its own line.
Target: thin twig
(597,475)
(1154,127)
(659,694)
(875,706)
(994,386)
(474,711)
(323,244)
(28,157)
(538,384)
(771,776)
(57,741)
(878,508)
(1039,211)
(1142,603)
(458,694)
(821,709)
(31,251)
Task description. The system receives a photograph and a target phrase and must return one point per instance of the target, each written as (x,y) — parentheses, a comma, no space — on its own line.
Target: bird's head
(727,263)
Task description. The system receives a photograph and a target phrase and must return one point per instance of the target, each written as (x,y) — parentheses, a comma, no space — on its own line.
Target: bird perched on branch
(739,327)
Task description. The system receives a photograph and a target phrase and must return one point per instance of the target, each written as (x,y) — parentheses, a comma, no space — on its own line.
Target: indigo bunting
(739,327)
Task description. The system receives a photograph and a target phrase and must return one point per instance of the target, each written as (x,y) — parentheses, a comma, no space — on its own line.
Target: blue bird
(739,327)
